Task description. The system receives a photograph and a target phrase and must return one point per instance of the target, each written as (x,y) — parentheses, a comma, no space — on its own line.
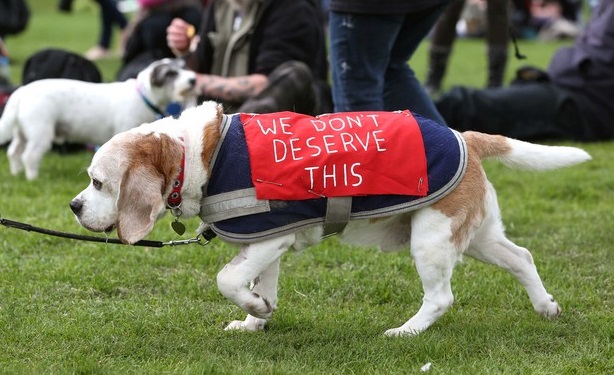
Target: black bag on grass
(58,63)
(14,16)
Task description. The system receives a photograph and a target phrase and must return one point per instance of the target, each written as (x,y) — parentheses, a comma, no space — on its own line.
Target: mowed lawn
(71,307)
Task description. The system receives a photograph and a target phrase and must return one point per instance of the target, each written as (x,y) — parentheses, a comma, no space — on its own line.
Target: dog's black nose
(76,205)
(192,82)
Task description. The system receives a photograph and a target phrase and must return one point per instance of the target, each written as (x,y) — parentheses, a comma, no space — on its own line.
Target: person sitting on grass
(571,101)
(258,56)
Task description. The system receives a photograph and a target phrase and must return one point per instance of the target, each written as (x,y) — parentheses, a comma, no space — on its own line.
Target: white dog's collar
(148,102)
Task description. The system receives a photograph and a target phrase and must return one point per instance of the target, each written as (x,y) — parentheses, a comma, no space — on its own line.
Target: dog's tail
(8,119)
(524,155)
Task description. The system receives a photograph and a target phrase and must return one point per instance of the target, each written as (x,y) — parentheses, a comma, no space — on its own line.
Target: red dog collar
(174,199)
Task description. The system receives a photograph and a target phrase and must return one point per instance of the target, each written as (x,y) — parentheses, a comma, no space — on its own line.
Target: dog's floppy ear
(155,162)
(139,203)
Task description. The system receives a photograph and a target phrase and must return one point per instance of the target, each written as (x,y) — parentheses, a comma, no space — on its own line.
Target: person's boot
(438,62)
(65,6)
(497,61)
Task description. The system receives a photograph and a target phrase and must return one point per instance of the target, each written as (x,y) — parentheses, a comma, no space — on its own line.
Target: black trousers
(529,111)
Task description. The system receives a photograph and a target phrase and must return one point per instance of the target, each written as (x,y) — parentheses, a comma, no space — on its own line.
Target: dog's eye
(97,184)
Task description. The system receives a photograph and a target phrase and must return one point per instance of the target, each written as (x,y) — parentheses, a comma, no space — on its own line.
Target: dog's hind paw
(259,306)
(250,324)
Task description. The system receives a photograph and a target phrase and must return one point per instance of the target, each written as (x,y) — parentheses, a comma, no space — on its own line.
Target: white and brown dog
(58,110)
(176,163)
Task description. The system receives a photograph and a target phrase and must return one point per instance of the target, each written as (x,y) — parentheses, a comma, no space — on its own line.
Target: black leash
(30,228)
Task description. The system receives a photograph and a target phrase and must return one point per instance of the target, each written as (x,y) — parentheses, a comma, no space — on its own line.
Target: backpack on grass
(14,16)
(58,63)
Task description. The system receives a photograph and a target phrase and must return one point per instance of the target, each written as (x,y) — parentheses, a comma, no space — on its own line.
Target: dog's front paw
(401,331)
(549,309)
(250,324)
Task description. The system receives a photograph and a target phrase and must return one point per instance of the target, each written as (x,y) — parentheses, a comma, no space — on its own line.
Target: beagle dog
(175,164)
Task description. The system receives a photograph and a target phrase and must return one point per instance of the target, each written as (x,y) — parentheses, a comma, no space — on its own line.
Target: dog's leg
(490,245)
(257,263)
(435,256)
(33,153)
(263,285)
(14,153)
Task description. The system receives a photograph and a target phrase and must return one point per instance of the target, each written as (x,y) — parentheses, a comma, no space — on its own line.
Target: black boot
(438,62)
(497,61)
(65,6)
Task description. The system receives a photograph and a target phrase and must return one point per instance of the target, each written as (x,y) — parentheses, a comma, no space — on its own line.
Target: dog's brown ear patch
(139,203)
(155,163)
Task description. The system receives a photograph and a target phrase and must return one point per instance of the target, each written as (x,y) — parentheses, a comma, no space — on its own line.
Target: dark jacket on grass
(587,69)
(573,101)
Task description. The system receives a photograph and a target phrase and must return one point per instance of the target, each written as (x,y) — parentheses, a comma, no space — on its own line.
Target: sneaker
(97,53)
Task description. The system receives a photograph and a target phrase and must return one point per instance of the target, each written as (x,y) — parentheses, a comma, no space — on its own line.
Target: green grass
(70,307)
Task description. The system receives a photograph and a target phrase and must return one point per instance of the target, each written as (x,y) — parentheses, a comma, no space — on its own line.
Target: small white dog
(58,110)
(194,165)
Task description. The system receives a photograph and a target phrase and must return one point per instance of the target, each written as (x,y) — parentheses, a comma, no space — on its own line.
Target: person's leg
(532,111)
(65,6)
(106,24)
(402,90)
(360,48)
(122,22)
(443,36)
(497,40)
(109,15)
(101,48)
(369,50)
(113,14)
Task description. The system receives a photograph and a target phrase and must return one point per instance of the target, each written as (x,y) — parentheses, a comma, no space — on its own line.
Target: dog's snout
(76,205)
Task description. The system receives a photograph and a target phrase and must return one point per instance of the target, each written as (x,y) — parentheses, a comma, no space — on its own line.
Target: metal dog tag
(178,227)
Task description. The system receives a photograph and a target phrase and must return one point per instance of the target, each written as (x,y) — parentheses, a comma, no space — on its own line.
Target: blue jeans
(369,57)
(109,15)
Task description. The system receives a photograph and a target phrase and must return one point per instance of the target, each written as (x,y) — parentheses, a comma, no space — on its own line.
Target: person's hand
(179,35)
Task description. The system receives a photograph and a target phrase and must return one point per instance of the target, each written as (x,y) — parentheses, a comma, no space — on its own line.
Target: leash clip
(196,240)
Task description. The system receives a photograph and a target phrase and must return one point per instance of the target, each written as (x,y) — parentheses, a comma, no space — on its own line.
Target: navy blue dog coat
(233,210)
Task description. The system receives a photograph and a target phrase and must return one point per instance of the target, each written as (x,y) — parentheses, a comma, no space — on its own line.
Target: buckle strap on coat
(338,210)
